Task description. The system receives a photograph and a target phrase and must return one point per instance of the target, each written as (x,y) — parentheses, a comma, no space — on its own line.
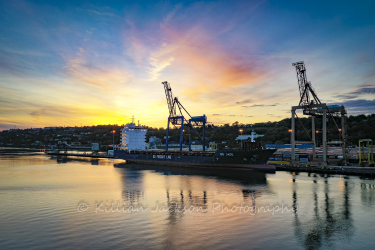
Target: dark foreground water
(91,204)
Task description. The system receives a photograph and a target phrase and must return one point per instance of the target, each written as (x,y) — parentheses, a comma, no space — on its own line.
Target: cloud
(137,45)
(190,51)
(157,66)
(191,54)
(356,106)
(260,105)
(361,106)
(231,115)
(49,111)
(98,77)
(346,96)
(221,58)
(368,89)
(218,65)
(244,101)
(20,62)
(104,11)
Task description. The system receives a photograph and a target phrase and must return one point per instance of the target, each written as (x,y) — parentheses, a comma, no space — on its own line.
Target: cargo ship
(133,150)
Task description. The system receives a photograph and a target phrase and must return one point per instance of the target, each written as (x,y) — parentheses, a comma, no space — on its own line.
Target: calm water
(82,203)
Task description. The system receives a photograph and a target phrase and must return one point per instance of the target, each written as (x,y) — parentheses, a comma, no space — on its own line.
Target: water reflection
(184,197)
(133,191)
(243,177)
(367,192)
(66,159)
(186,191)
(329,221)
(41,198)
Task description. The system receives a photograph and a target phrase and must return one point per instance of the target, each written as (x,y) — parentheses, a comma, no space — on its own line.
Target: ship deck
(163,152)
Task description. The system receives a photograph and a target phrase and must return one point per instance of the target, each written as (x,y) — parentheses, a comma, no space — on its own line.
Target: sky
(83,63)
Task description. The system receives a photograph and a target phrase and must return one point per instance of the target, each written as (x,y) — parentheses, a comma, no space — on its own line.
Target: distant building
(133,137)
(95,147)
(153,141)
(47,128)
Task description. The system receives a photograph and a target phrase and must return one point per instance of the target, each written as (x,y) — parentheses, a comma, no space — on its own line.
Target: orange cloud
(193,60)
(196,51)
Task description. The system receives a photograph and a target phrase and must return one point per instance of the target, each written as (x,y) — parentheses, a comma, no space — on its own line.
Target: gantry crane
(311,105)
(177,118)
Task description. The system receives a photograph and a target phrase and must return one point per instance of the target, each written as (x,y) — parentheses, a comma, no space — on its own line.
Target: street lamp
(317,139)
(113,140)
(291,136)
(241,130)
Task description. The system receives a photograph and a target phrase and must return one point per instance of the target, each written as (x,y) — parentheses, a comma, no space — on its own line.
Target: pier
(81,155)
(344,170)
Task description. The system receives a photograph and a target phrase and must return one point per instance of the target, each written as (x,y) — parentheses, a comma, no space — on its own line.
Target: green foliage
(359,127)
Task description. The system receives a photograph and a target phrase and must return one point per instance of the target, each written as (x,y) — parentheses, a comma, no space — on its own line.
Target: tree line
(359,127)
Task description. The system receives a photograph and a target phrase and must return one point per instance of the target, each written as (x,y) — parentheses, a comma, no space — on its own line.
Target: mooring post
(343,133)
(313,136)
(292,135)
(166,140)
(325,134)
(204,134)
(181,132)
(189,135)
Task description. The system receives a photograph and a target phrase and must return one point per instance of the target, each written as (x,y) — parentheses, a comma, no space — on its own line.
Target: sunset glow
(72,63)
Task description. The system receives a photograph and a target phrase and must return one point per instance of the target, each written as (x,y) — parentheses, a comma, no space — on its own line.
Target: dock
(81,155)
(280,166)
(327,169)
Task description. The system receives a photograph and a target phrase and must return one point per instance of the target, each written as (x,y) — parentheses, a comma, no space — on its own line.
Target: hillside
(359,127)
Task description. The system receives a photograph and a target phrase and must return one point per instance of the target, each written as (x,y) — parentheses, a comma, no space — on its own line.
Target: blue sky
(78,63)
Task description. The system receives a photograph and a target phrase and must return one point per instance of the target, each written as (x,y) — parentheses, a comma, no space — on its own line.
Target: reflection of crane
(366,158)
(328,220)
(178,119)
(314,107)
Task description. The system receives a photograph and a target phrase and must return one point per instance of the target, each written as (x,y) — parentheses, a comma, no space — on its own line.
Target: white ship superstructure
(133,137)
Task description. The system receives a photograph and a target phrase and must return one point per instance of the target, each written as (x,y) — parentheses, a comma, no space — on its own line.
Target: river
(48,202)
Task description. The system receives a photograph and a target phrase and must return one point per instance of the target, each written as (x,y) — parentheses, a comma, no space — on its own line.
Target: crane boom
(302,82)
(170,99)
(178,118)
(305,89)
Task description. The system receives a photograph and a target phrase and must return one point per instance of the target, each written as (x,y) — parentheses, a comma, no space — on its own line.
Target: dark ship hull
(254,159)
